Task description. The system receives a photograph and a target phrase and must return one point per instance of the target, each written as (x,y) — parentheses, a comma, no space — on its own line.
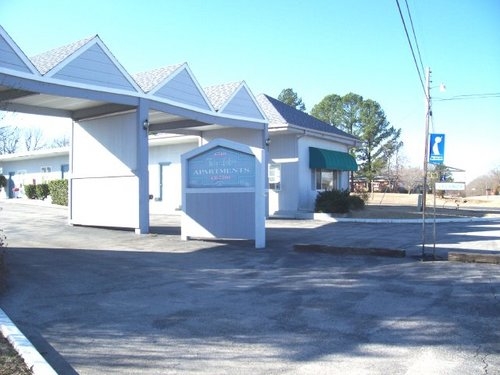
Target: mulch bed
(10,361)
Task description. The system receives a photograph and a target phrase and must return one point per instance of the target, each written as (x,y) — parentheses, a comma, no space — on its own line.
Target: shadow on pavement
(232,306)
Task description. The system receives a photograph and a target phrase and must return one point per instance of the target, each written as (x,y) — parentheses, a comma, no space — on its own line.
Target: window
(274,175)
(46,169)
(325,179)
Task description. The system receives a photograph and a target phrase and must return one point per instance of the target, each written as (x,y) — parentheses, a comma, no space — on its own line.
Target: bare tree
(33,139)
(395,163)
(495,177)
(9,139)
(411,177)
(485,184)
(62,141)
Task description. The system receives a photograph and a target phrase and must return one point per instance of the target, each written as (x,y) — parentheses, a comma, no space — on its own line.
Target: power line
(411,48)
(414,35)
(471,96)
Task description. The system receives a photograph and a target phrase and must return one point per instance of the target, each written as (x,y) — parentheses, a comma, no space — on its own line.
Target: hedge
(59,192)
(57,189)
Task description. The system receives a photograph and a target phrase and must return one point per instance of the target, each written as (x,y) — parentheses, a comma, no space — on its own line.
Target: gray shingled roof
(44,62)
(219,94)
(280,113)
(147,81)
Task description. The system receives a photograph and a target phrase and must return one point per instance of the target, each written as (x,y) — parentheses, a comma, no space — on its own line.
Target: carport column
(142,173)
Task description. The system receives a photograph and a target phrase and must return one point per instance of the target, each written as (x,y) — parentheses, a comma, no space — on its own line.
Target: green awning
(335,160)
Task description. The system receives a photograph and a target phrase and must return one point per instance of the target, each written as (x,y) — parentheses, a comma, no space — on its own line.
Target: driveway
(99,301)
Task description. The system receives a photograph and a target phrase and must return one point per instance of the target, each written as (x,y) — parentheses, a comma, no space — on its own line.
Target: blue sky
(315,47)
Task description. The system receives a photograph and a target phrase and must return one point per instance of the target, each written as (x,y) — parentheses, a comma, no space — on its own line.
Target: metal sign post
(447,186)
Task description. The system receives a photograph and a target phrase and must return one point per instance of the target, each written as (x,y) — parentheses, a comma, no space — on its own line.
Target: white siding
(242,104)
(104,185)
(33,168)
(183,89)
(283,150)
(94,67)
(28,172)
(168,158)
(105,147)
(110,202)
(246,136)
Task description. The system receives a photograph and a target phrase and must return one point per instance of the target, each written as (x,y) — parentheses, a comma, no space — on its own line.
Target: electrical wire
(420,74)
(471,96)
(414,36)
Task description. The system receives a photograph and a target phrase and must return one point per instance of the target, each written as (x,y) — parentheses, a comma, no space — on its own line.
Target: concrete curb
(23,346)
(328,218)
(345,250)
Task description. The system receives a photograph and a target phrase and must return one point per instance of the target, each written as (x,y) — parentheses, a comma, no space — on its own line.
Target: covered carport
(113,113)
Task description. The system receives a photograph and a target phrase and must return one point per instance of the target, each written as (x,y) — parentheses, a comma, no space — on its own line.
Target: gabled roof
(176,83)
(236,99)
(87,61)
(46,61)
(220,94)
(147,81)
(14,57)
(84,80)
(278,113)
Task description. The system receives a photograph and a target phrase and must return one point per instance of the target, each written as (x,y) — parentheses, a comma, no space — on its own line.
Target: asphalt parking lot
(99,301)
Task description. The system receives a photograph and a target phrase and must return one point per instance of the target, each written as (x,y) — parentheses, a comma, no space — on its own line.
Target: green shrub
(42,191)
(59,192)
(338,201)
(332,201)
(356,202)
(30,191)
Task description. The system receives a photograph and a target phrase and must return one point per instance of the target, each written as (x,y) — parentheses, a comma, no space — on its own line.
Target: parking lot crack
(483,357)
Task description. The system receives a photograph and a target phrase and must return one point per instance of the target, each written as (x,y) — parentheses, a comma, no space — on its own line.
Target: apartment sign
(221,167)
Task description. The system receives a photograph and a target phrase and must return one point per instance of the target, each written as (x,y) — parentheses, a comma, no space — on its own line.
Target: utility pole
(428,114)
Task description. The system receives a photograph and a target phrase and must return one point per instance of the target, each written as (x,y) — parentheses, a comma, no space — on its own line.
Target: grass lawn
(404,206)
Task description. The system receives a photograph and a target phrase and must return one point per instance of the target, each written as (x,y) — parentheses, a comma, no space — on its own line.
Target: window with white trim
(325,179)
(274,176)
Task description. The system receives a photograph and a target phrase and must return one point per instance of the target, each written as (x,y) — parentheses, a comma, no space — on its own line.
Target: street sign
(436,146)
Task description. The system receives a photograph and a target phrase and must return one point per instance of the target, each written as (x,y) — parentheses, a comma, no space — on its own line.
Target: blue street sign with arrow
(436,147)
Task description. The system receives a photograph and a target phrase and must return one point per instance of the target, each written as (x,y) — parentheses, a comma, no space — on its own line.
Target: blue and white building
(129,132)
